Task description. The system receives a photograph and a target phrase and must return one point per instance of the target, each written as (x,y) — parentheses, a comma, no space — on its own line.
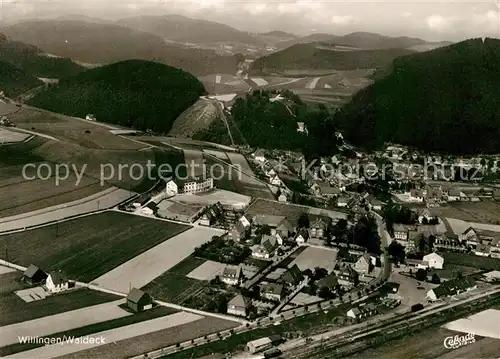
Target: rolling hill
(315,57)
(33,61)
(441,100)
(103,43)
(369,41)
(134,93)
(183,29)
(14,81)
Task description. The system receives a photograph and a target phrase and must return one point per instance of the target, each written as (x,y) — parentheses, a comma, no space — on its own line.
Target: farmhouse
(204,220)
(451,288)
(239,306)
(238,232)
(139,301)
(231,275)
(273,291)
(278,224)
(302,236)
(434,260)
(362,311)
(34,275)
(293,276)
(348,277)
(56,282)
(364,264)
(264,250)
(400,232)
(318,228)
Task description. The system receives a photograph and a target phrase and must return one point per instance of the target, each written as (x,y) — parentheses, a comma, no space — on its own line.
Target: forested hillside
(31,60)
(319,57)
(268,124)
(134,93)
(14,81)
(442,100)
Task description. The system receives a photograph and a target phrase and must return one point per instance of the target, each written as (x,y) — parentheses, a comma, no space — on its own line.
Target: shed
(139,301)
(34,275)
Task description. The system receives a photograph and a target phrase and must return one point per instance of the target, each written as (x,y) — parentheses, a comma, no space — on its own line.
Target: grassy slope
(14,81)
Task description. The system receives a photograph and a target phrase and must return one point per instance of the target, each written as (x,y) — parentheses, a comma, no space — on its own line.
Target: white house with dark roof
(231,275)
(56,282)
(273,291)
(239,306)
(259,156)
(434,260)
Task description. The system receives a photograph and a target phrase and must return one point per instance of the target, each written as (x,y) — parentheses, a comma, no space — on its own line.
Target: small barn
(139,301)
(34,275)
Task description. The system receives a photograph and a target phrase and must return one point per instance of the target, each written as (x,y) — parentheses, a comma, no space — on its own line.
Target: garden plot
(31,294)
(147,266)
(314,257)
(177,211)
(484,324)
(62,322)
(7,136)
(207,271)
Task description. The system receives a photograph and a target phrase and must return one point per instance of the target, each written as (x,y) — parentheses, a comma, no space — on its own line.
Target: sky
(431,20)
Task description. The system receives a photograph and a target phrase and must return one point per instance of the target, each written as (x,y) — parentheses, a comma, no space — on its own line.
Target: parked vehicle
(272,353)
(417,307)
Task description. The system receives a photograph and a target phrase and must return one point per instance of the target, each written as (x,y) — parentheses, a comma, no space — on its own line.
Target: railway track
(392,328)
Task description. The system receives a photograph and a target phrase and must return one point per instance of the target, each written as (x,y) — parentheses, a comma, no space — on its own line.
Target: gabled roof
(398,227)
(329,281)
(293,275)
(304,233)
(58,278)
(349,271)
(259,153)
(239,227)
(451,287)
(231,272)
(264,219)
(273,288)
(135,295)
(285,225)
(240,301)
(31,271)
(268,246)
(271,239)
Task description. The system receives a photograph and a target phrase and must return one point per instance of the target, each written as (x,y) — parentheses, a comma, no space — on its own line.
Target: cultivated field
(112,336)
(14,310)
(224,83)
(62,322)
(103,199)
(194,161)
(144,268)
(487,211)
(88,247)
(155,340)
(290,211)
(174,285)
(7,136)
(197,117)
(239,160)
(314,257)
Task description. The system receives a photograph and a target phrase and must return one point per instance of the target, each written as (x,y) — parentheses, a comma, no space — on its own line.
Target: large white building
(189,187)
(434,260)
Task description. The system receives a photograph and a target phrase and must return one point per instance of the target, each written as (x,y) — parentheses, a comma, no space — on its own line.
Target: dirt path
(109,336)
(62,322)
(142,269)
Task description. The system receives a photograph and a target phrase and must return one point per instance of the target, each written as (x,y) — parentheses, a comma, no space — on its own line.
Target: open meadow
(15,310)
(471,261)
(87,247)
(486,211)
(313,257)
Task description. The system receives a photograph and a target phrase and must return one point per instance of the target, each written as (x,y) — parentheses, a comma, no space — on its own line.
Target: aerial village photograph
(223,179)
